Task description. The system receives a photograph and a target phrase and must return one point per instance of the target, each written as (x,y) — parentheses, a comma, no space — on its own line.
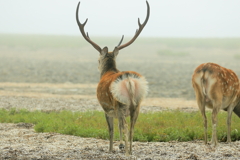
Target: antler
(138,31)
(87,38)
(81,27)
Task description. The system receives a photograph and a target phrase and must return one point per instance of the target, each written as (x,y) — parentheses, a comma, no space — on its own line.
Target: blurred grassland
(224,43)
(165,47)
(172,53)
(55,41)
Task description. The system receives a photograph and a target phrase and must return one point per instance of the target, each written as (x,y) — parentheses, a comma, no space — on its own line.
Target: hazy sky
(168,18)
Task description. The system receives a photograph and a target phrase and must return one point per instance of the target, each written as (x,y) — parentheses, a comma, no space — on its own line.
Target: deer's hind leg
(120,126)
(201,101)
(111,131)
(134,111)
(216,108)
(123,128)
(201,105)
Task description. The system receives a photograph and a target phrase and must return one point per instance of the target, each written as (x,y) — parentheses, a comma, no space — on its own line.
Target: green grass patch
(172,53)
(160,126)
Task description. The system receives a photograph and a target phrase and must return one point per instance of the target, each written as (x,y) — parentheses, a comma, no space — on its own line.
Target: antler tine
(88,35)
(139,30)
(139,23)
(136,31)
(81,28)
(120,41)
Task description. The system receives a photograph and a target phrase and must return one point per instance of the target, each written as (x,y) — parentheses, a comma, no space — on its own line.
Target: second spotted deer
(217,88)
(119,93)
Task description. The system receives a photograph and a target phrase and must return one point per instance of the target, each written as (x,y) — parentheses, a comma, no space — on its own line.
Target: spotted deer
(119,93)
(217,88)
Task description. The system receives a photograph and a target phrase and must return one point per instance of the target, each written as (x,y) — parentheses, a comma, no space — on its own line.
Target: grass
(160,126)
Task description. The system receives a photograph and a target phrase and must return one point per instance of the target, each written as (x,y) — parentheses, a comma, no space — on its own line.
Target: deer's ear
(115,51)
(104,51)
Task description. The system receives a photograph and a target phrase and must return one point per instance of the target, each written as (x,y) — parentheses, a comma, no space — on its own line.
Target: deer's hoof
(121,146)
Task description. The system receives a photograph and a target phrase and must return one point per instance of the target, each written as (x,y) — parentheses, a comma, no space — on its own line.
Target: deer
(217,88)
(120,93)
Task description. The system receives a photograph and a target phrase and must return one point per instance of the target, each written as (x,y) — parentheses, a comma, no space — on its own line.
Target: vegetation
(160,126)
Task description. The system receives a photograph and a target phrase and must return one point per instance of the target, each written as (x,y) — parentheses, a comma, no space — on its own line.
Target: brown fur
(217,88)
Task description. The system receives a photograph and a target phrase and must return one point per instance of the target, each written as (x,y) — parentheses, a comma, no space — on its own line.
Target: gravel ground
(66,79)
(21,142)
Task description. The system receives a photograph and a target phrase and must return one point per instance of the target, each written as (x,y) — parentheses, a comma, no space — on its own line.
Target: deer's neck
(108,65)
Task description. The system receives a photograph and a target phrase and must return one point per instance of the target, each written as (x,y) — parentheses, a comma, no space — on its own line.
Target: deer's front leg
(230,110)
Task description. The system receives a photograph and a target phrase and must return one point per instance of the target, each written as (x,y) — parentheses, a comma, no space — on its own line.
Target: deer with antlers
(217,88)
(119,93)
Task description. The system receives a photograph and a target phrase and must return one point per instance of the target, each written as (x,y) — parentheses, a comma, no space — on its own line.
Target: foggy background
(168,18)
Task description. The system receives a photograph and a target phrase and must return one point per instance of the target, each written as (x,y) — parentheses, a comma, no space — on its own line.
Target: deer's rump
(129,88)
(125,87)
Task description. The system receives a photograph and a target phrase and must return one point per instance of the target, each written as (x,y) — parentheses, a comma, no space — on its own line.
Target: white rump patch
(129,88)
